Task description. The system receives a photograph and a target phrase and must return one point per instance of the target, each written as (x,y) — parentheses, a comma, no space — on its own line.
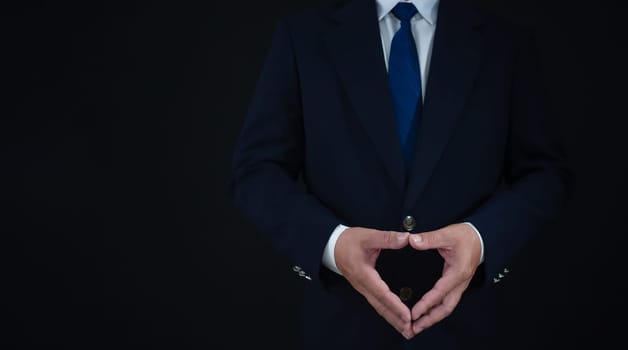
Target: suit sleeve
(268,159)
(536,176)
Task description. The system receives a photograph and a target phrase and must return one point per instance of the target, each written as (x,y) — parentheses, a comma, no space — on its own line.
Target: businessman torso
(324,98)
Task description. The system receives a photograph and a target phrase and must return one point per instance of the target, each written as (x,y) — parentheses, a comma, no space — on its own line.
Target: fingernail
(417,239)
(402,236)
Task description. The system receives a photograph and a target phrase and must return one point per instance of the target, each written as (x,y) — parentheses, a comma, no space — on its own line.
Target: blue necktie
(404,76)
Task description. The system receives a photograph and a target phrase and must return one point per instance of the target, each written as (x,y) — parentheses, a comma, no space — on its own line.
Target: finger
(386,240)
(378,289)
(430,240)
(405,328)
(439,312)
(386,303)
(435,296)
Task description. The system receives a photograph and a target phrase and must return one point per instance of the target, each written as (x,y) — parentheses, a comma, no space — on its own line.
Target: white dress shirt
(423,27)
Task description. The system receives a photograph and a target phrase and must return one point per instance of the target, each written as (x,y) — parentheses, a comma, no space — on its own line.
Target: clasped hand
(356,253)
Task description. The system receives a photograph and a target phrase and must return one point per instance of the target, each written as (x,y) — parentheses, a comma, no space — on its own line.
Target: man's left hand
(460,247)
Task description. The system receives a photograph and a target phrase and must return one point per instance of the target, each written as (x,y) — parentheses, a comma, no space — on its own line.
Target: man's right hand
(356,252)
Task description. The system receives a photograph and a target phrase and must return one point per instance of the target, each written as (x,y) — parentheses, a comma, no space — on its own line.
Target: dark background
(117,129)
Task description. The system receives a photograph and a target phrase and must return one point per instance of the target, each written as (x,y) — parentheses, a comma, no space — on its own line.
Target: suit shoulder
(507,27)
(309,19)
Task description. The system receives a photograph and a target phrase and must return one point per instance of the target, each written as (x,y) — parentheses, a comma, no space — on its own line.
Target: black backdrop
(117,129)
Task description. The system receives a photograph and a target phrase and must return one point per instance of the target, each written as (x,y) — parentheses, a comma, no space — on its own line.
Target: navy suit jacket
(319,148)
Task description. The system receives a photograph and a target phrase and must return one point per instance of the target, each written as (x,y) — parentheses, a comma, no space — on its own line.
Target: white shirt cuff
(328,255)
(481,241)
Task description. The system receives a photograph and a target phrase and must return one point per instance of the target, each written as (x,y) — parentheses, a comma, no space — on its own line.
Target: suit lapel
(456,56)
(354,44)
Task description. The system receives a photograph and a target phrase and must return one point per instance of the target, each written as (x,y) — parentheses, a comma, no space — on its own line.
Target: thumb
(387,240)
(429,240)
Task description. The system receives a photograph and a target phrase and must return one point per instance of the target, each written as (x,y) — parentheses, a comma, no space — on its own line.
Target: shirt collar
(427,8)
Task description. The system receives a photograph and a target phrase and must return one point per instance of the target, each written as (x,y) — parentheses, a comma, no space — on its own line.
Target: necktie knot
(404,11)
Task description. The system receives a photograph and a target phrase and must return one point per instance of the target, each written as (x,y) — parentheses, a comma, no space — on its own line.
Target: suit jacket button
(405,293)
(409,223)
